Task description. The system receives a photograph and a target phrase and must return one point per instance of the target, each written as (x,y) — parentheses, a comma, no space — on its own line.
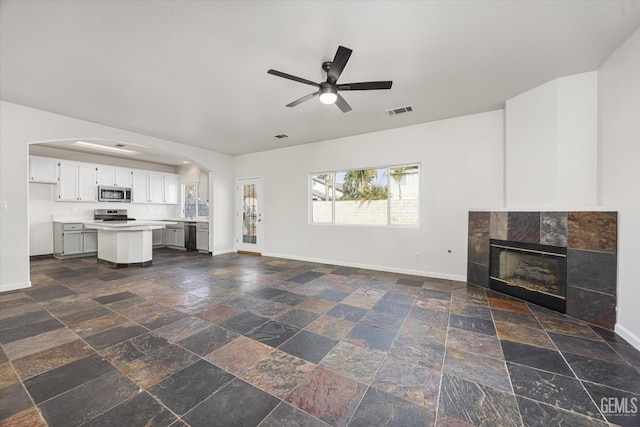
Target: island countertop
(127,225)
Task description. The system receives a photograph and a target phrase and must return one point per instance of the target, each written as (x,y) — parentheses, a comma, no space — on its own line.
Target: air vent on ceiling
(281,136)
(401,110)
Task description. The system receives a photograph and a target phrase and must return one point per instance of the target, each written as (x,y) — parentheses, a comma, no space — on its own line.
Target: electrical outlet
(418,257)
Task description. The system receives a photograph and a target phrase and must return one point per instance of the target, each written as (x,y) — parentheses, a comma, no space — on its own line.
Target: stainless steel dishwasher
(190,236)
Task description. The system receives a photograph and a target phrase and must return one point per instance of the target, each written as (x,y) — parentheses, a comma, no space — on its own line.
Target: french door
(249,221)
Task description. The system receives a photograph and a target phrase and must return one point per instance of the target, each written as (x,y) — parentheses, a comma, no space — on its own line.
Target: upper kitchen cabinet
(154,187)
(171,188)
(43,169)
(77,182)
(113,176)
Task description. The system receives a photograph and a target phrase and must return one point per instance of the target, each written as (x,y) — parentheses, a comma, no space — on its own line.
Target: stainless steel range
(111,215)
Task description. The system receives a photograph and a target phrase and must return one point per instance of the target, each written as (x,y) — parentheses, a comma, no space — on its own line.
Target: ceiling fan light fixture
(328,94)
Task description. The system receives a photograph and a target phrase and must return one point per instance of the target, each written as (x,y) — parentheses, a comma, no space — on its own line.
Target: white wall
(619,172)
(462,167)
(551,144)
(22,126)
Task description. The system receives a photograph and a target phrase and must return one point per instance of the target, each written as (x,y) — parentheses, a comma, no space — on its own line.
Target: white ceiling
(195,72)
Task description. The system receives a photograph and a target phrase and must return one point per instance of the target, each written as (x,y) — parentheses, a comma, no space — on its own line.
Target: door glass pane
(249,213)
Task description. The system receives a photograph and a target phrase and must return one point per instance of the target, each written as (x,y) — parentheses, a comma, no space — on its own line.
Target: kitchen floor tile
(354,362)
(308,346)
(139,410)
(557,390)
(208,340)
(286,415)
(186,388)
(88,400)
(328,396)
(243,323)
(239,355)
(272,333)
(380,408)
(278,373)
(230,406)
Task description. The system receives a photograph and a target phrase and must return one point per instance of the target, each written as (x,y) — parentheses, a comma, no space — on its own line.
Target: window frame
(333,173)
(197,204)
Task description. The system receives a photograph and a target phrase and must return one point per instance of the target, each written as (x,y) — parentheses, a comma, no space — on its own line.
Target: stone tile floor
(239,340)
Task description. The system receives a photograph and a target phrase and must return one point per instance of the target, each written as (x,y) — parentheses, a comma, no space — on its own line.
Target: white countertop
(187,219)
(127,225)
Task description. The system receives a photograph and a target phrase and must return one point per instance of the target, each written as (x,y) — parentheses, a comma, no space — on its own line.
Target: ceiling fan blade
(365,86)
(294,78)
(338,64)
(342,104)
(303,99)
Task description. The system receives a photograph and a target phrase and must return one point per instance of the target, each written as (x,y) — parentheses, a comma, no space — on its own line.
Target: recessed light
(104,148)
(186,162)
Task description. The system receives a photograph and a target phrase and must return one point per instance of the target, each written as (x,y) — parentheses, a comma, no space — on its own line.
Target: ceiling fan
(328,91)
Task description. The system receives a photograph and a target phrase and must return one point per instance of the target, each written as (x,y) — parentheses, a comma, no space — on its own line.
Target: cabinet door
(202,240)
(72,242)
(156,194)
(171,186)
(105,175)
(68,181)
(42,169)
(158,239)
(139,187)
(87,189)
(179,238)
(90,241)
(123,177)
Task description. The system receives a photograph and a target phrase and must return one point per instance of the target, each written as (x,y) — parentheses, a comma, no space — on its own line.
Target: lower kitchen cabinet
(202,237)
(174,235)
(158,237)
(72,239)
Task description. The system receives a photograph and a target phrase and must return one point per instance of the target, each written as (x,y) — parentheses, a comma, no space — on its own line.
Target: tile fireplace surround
(591,241)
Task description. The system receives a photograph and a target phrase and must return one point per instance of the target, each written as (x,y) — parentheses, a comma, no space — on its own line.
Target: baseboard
(454,277)
(629,336)
(222,252)
(15,286)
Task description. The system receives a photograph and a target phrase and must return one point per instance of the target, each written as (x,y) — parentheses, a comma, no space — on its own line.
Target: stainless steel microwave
(114,194)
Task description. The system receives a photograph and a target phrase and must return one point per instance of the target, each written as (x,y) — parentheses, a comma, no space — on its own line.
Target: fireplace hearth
(535,273)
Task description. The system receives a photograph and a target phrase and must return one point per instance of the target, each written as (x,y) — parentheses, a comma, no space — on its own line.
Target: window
(375,196)
(193,206)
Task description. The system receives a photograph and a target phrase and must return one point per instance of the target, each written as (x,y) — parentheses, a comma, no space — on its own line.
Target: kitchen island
(126,243)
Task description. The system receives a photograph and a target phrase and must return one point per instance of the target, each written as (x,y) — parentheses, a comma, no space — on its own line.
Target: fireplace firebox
(535,273)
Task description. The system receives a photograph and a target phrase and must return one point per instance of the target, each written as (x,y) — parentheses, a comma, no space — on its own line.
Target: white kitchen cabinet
(77,182)
(174,235)
(113,176)
(123,177)
(158,237)
(154,187)
(202,236)
(43,169)
(72,240)
(171,188)
(89,241)
(139,186)
(105,175)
